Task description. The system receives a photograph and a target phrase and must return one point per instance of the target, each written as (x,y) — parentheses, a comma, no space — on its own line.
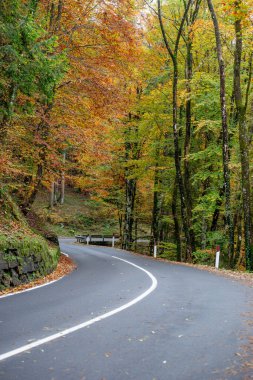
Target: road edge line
(80,326)
(34,287)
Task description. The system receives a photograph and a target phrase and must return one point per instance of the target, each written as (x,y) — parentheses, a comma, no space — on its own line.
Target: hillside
(78,215)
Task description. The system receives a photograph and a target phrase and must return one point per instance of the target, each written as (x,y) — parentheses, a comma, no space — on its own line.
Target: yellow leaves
(205,126)
(203,36)
(183,95)
(240,10)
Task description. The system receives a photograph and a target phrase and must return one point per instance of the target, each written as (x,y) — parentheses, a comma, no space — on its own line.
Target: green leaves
(29,61)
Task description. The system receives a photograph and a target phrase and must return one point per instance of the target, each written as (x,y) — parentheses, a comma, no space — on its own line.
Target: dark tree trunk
(243,141)
(132,152)
(225,135)
(129,213)
(188,107)
(34,188)
(188,127)
(35,181)
(177,158)
(238,228)
(156,208)
(176,222)
(216,213)
(62,193)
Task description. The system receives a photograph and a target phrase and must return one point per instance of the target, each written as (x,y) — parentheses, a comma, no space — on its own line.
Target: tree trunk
(243,141)
(155,212)
(225,136)
(188,127)
(34,188)
(62,197)
(131,152)
(216,213)
(188,108)
(176,222)
(129,213)
(177,158)
(238,227)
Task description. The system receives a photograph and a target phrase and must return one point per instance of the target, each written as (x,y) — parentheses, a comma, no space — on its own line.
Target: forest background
(142,109)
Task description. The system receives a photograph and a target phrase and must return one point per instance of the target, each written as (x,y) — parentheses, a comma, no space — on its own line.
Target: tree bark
(132,152)
(225,135)
(35,181)
(243,141)
(62,198)
(176,222)
(188,126)
(173,55)
(238,228)
(34,188)
(129,213)
(188,107)
(155,212)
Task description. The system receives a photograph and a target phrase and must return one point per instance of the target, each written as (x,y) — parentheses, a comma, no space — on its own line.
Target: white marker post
(155,251)
(113,240)
(217,260)
(88,239)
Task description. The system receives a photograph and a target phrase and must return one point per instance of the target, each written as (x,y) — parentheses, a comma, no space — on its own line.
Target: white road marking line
(91,321)
(29,289)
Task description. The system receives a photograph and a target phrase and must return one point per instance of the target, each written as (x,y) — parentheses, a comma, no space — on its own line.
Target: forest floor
(78,215)
(244,277)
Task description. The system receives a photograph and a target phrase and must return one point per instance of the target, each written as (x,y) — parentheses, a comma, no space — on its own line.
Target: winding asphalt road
(121,316)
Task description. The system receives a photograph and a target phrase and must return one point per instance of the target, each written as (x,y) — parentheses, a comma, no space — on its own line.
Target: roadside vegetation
(129,117)
(78,215)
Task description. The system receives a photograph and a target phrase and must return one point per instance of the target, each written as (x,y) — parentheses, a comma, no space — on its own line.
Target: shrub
(205,257)
(167,250)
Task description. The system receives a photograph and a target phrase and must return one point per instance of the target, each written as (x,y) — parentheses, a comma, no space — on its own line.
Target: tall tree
(190,20)
(173,54)
(241,108)
(225,133)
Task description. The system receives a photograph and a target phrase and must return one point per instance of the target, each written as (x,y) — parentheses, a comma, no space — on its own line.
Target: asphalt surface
(192,326)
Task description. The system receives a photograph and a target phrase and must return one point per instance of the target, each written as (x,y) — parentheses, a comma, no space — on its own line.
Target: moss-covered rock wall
(24,260)
(24,255)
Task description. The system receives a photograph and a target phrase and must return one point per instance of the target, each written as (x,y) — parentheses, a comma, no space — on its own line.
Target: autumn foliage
(122,100)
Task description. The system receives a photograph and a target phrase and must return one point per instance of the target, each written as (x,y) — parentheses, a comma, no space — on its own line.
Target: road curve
(193,325)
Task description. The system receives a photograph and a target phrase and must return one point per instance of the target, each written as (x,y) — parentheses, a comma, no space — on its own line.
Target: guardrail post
(217,259)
